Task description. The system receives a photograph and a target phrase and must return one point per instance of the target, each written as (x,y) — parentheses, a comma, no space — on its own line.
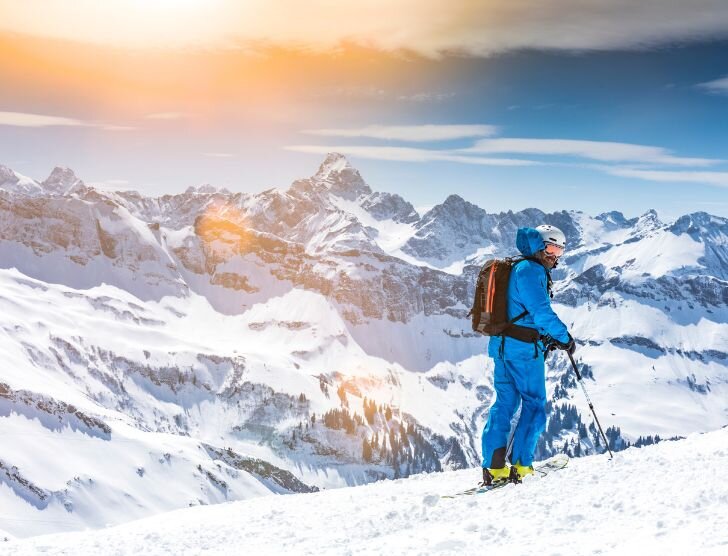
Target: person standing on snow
(519,375)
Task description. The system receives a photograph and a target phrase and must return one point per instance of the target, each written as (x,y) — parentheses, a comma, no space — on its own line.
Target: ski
(541,469)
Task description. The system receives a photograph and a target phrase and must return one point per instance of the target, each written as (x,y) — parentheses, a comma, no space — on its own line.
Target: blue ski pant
(516,381)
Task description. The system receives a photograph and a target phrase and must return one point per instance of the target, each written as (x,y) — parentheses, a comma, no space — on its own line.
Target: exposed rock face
(340,178)
(150,246)
(57,414)
(385,206)
(62,181)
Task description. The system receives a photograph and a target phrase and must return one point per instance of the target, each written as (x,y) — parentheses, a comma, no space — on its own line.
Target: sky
(566,105)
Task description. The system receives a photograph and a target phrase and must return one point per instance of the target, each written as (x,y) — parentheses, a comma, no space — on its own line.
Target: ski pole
(591,405)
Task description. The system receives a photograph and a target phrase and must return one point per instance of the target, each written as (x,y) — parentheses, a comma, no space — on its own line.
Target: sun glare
(168,5)
(121,23)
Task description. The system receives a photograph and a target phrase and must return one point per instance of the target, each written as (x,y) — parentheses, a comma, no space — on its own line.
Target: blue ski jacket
(528,291)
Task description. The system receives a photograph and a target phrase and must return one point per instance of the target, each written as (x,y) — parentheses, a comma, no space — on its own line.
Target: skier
(519,375)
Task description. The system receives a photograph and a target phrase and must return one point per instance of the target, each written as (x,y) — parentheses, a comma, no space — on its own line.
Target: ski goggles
(553,250)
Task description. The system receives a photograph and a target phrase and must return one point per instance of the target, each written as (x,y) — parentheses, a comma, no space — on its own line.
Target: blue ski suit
(519,376)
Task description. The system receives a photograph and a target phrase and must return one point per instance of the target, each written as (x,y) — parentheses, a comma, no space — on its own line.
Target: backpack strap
(509,324)
(516,318)
(522,333)
(549,280)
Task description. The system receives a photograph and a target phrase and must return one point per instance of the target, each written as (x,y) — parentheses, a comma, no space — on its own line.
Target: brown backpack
(489,312)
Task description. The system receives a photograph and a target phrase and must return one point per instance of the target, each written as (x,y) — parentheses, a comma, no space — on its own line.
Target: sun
(168,5)
(121,23)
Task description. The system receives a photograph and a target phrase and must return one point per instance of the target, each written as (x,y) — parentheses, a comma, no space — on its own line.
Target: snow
(18,183)
(333,164)
(285,341)
(391,235)
(636,503)
(98,334)
(656,255)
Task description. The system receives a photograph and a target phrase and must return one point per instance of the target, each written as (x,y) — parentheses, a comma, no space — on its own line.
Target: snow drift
(642,502)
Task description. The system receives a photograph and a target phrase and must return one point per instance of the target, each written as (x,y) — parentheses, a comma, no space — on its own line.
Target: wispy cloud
(166,116)
(25,119)
(604,151)
(719,179)
(111,185)
(219,155)
(111,127)
(629,160)
(407,154)
(379,93)
(414,133)
(355,92)
(431,27)
(426,97)
(717,86)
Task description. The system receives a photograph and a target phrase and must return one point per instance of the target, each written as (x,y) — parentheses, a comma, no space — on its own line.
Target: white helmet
(551,234)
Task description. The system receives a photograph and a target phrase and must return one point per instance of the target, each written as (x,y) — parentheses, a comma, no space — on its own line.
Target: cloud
(415,133)
(647,162)
(431,27)
(605,151)
(601,151)
(718,86)
(165,116)
(115,127)
(111,185)
(25,119)
(426,97)
(719,179)
(219,155)
(378,93)
(355,92)
(407,154)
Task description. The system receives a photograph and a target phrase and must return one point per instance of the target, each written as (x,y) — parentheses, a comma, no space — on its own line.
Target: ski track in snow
(632,504)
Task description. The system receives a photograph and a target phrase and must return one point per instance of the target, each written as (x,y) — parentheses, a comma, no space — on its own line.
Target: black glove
(569,347)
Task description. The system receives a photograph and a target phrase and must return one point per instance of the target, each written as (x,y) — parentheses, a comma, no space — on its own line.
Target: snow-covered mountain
(634,504)
(209,346)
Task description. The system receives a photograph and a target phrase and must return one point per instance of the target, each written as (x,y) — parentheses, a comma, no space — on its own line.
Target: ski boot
(518,472)
(495,476)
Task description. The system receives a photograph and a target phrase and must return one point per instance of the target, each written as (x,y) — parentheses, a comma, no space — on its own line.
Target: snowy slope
(634,504)
(139,396)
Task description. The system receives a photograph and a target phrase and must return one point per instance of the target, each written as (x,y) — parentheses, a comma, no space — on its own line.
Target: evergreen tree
(342,395)
(366,450)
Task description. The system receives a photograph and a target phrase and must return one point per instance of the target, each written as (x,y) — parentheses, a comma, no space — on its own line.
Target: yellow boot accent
(499,473)
(523,470)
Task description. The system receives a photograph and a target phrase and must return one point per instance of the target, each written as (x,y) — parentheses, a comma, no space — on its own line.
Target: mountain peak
(206,189)
(62,180)
(454,205)
(614,219)
(6,174)
(649,218)
(341,178)
(17,183)
(644,225)
(699,223)
(454,199)
(333,163)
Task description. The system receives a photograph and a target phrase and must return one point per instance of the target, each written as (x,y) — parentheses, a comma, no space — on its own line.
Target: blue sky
(611,127)
(650,98)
